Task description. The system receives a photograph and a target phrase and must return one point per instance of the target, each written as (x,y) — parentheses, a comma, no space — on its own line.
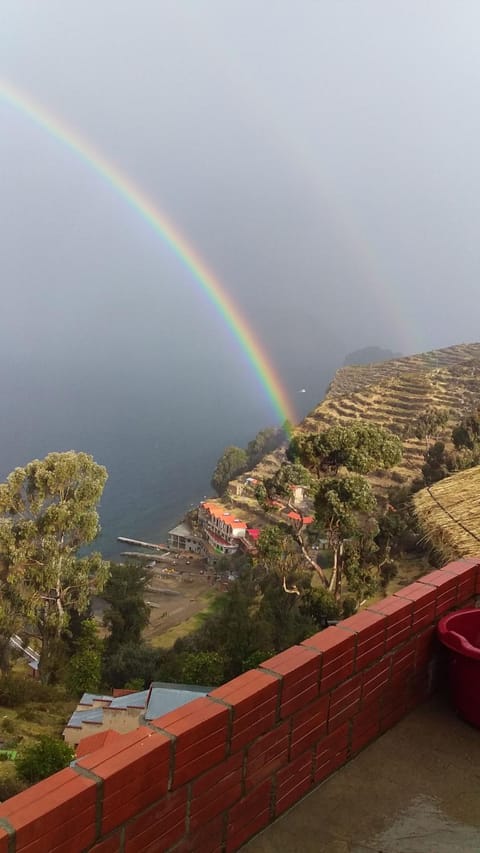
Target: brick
(331,752)
(426,646)
(446,585)
(160,827)
(293,782)
(4,841)
(337,648)
(253,698)
(207,839)
(215,791)
(424,603)
(344,702)
(394,704)
(266,755)
(249,816)
(300,669)
(362,737)
(375,681)
(466,572)
(366,724)
(399,616)
(403,662)
(70,836)
(115,747)
(200,730)
(370,632)
(134,777)
(109,845)
(309,725)
(142,790)
(63,812)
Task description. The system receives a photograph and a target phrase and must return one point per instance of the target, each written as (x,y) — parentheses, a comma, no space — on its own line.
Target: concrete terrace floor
(415,790)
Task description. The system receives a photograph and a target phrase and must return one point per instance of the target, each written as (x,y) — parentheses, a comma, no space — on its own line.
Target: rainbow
(213,289)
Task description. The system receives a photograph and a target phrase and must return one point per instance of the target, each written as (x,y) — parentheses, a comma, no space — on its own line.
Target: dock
(142,544)
(138,555)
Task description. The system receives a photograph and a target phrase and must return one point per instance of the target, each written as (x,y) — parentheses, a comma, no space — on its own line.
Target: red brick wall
(208,776)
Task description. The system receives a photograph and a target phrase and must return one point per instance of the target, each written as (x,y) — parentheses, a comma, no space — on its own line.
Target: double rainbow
(212,287)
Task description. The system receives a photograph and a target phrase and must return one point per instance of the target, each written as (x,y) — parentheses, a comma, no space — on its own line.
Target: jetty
(142,544)
(153,557)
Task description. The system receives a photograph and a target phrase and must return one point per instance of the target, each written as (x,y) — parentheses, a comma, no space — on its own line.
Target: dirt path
(180,588)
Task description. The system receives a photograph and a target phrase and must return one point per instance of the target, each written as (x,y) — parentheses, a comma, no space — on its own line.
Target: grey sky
(321,156)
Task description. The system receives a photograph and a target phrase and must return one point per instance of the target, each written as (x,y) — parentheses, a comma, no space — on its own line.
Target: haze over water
(321,158)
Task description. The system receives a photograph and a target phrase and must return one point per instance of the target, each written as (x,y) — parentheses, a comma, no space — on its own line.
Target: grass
(167,638)
(25,724)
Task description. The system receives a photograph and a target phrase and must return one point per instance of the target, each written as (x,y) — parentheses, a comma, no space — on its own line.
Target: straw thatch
(449,514)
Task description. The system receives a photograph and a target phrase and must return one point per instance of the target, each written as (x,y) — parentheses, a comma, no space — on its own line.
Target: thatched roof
(449,514)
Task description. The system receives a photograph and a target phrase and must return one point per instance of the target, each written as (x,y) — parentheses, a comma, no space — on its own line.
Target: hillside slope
(392,394)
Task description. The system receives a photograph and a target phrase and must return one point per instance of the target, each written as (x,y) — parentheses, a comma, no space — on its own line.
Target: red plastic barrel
(460,633)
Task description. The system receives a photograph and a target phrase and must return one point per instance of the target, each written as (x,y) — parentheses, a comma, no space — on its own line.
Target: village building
(125,710)
(182,538)
(222,529)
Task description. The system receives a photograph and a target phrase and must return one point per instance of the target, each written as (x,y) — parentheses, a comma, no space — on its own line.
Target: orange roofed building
(223,530)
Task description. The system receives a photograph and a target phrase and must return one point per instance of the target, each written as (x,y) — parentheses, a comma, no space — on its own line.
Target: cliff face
(393,394)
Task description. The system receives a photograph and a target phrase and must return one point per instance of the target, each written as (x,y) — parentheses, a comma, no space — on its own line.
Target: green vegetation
(360,446)
(359,469)
(42,759)
(29,710)
(47,513)
(235,460)
(127,615)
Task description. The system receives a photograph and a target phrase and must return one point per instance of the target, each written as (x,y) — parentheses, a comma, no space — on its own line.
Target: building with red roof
(223,530)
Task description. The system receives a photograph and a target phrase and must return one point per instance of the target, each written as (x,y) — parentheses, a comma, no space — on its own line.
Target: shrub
(84,672)
(39,760)
(8,725)
(9,787)
(15,691)
(28,714)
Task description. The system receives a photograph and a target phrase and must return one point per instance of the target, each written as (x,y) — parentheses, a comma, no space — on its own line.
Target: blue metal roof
(167,697)
(164,697)
(95,715)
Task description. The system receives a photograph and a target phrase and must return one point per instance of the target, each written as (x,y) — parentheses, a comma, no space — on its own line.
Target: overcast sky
(321,156)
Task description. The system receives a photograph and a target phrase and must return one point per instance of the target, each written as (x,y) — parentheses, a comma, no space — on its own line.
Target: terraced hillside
(392,394)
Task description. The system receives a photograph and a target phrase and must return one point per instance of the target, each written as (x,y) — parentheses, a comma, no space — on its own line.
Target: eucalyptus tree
(48,512)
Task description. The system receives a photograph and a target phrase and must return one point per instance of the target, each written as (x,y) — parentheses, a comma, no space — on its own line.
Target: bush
(8,725)
(9,787)
(29,715)
(15,691)
(39,760)
(84,672)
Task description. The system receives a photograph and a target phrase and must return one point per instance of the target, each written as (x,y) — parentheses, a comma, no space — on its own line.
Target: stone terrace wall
(208,776)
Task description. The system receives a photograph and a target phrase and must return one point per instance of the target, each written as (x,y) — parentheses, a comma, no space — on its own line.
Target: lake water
(159,436)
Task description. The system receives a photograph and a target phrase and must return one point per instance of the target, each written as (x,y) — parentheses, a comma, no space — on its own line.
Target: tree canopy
(127,614)
(361,447)
(48,511)
(232,462)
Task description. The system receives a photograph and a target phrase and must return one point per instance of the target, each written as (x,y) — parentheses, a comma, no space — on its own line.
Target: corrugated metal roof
(164,697)
(167,697)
